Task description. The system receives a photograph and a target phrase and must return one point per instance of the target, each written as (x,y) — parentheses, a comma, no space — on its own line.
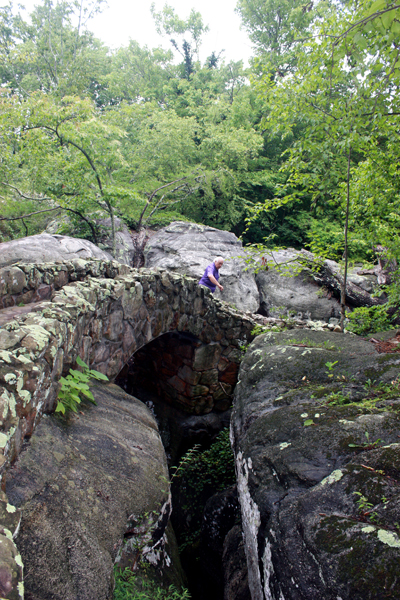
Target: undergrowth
(197,479)
(128,586)
(369,319)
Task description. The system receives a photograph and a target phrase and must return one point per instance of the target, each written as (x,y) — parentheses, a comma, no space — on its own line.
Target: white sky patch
(123,20)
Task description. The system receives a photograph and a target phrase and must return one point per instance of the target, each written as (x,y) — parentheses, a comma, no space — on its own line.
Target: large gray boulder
(188,248)
(83,485)
(292,284)
(288,290)
(45,247)
(318,468)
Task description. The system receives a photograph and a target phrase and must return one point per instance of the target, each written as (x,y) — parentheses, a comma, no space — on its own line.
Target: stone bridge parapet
(103,312)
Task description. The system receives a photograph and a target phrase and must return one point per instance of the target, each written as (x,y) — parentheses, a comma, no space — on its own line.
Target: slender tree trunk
(345,254)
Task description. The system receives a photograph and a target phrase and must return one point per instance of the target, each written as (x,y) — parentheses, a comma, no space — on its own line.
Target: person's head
(218,262)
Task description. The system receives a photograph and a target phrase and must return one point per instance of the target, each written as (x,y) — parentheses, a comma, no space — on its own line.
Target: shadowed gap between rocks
(188,386)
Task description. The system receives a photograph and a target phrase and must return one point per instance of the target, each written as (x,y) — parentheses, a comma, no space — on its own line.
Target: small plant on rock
(330,366)
(367,444)
(75,385)
(338,399)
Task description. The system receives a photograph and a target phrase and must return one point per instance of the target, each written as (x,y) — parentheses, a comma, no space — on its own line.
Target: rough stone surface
(125,250)
(286,289)
(11,566)
(234,567)
(44,248)
(83,485)
(188,248)
(169,367)
(306,536)
(298,296)
(220,514)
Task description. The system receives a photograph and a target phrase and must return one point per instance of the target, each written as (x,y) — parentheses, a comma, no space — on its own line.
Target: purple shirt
(210,270)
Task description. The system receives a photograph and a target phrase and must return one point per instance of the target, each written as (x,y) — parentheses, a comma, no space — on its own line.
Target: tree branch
(58,207)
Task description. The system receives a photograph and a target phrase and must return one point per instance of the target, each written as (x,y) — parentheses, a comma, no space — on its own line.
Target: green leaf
(79,375)
(98,375)
(60,407)
(388,18)
(81,386)
(80,362)
(376,7)
(395,28)
(308,423)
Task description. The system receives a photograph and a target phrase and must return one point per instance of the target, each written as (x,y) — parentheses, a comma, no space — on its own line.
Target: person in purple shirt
(211,275)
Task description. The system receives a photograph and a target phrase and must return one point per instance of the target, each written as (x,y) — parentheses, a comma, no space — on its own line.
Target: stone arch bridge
(104,312)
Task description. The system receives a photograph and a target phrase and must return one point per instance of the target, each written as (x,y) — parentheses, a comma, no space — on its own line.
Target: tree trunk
(345,254)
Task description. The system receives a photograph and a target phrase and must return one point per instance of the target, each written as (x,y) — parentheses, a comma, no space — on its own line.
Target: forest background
(301,149)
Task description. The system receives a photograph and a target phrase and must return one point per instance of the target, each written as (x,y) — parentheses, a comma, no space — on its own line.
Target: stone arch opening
(187,383)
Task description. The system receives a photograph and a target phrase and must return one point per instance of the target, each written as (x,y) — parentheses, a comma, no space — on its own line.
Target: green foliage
(362,503)
(369,319)
(377,397)
(337,399)
(367,443)
(128,586)
(75,385)
(339,112)
(331,365)
(199,476)
(259,330)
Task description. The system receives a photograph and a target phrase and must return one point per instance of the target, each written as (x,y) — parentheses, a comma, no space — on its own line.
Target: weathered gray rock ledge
(319,516)
(81,486)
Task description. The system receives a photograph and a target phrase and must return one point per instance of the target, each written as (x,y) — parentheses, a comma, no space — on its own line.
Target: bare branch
(37,212)
(23,195)
(58,207)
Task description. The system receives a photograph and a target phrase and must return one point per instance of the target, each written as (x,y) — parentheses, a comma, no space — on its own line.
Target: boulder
(221,512)
(318,467)
(124,248)
(43,248)
(84,485)
(188,248)
(293,285)
(236,585)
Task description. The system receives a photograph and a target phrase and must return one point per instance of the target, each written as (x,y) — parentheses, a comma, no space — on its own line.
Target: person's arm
(215,282)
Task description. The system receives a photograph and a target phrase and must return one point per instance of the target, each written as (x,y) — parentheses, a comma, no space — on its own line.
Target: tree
(277,28)
(137,138)
(342,94)
(60,151)
(55,53)
(187,35)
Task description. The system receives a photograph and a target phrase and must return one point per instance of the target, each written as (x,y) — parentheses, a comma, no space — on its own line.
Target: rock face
(83,486)
(236,585)
(45,248)
(221,512)
(188,248)
(298,296)
(124,248)
(318,479)
(289,290)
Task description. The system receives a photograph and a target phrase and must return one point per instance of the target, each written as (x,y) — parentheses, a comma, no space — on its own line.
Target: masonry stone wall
(104,313)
